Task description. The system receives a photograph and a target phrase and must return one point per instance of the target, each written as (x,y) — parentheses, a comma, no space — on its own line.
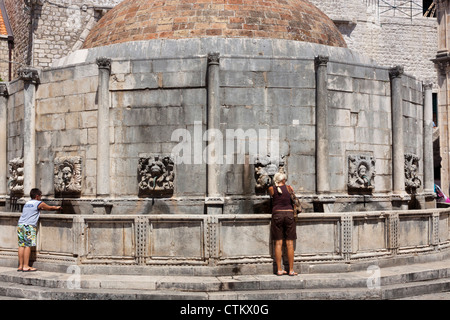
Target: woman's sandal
(281,273)
(293,273)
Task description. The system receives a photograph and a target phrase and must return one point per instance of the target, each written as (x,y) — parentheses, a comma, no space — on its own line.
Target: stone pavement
(431,296)
(415,282)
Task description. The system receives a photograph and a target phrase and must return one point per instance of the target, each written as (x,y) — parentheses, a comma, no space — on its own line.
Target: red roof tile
(133,20)
(3,31)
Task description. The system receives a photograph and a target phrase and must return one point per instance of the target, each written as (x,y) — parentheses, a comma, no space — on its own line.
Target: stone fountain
(161,149)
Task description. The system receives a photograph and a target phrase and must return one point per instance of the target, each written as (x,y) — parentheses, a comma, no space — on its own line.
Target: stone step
(383,293)
(361,279)
(44,293)
(391,292)
(393,283)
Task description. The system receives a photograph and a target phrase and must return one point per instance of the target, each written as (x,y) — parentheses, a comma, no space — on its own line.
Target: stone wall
(159,104)
(20,26)
(390,36)
(4,58)
(49,30)
(230,244)
(62,28)
(66,122)
(15,113)
(151,99)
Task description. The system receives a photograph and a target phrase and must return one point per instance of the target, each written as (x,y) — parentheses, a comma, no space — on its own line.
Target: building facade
(392,32)
(48,30)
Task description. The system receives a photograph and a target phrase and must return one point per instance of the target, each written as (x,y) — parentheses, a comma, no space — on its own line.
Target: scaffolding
(431,10)
(402,8)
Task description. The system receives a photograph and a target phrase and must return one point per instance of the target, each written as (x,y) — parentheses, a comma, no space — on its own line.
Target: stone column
(30,77)
(3,139)
(428,164)
(215,197)
(398,153)
(103,153)
(322,176)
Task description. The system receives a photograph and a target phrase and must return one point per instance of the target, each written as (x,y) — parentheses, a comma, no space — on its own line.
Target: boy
(26,228)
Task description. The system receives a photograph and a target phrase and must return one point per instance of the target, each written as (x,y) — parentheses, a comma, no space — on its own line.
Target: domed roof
(134,20)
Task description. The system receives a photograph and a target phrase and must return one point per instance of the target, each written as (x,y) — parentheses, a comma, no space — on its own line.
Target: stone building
(392,32)
(47,30)
(6,45)
(161,133)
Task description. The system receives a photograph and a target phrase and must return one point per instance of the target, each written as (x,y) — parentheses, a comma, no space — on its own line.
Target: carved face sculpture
(156,176)
(362,170)
(264,178)
(265,169)
(155,168)
(67,175)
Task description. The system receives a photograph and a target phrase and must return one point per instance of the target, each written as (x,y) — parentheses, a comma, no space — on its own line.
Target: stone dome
(134,20)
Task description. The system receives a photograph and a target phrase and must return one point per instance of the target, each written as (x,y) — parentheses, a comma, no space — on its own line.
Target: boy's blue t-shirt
(30,213)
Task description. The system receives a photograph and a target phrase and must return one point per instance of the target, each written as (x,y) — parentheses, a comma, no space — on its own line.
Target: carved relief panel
(412,182)
(361,172)
(265,169)
(156,176)
(15,182)
(68,177)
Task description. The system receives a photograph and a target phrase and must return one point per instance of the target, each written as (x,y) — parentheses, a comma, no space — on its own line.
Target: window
(429,8)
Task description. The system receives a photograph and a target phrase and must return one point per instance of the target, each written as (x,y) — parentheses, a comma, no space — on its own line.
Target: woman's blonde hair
(279,176)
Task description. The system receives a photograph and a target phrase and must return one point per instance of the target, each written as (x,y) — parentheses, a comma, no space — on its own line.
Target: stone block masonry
(20,24)
(158,92)
(391,37)
(49,30)
(4,58)
(207,243)
(334,112)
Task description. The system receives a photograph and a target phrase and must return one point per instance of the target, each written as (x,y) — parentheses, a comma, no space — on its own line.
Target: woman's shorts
(283,226)
(26,235)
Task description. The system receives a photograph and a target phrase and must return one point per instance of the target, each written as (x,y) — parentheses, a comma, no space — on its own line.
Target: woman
(283,225)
